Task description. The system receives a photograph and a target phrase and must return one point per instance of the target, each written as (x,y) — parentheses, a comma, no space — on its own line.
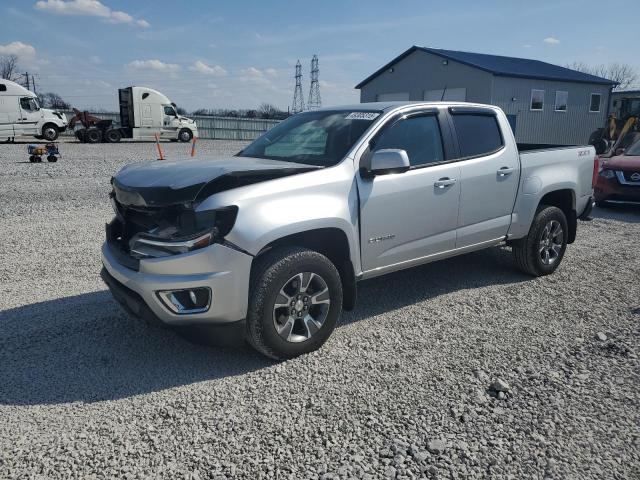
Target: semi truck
(144,113)
(21,114)
(270,245)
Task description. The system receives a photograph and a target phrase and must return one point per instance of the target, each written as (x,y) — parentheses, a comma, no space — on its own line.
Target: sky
(239,54)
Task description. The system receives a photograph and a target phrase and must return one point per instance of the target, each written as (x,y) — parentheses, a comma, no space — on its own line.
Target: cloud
(154,64)
(92,8)
(271,72)
(18,48)
(252,72)
(95,59)
(526,45)
(551,41)
(201,67)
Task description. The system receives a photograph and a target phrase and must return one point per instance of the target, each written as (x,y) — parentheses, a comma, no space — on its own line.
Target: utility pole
(315,101)
(27,77)
(298,100)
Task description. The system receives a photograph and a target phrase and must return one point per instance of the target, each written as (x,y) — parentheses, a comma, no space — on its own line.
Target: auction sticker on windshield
(362,116)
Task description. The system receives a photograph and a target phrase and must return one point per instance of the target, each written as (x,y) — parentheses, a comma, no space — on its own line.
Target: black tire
(80,135)
(52,159)
(274,271)
(93,135)
(112,136)
(50,132)
(32,158)
(528,251)
(185,135)
(39,137)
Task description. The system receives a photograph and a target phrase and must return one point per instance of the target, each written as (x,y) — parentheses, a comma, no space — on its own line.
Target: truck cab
(21,114)
(145,112)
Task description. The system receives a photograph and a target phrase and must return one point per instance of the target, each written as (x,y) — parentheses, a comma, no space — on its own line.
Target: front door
(169,121)
(490,173)
(414,214)
(29,117)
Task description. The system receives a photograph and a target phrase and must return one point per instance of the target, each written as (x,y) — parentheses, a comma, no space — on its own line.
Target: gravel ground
(480,371)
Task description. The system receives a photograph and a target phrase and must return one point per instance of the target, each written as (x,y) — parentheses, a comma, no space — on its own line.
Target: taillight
(596,169)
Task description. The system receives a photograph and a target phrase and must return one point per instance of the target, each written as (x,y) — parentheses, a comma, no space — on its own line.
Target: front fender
(273,209)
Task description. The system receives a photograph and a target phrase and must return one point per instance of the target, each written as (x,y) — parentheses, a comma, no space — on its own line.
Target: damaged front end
(137,233)
(155,204)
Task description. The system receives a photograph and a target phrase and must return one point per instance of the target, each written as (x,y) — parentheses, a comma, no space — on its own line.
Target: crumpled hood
(171,182)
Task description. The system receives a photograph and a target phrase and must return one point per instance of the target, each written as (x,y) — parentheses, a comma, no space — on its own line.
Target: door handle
(504,171)
(444,182)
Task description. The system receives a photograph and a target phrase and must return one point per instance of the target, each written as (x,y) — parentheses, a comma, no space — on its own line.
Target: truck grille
(631,176)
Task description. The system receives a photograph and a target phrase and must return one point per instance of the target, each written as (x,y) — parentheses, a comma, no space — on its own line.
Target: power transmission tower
(315,101)
(298,100)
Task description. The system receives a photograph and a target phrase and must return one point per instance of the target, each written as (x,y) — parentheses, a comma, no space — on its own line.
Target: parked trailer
(144,113)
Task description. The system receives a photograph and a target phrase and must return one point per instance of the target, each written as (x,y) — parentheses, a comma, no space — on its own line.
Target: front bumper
(611,189)
(224,270)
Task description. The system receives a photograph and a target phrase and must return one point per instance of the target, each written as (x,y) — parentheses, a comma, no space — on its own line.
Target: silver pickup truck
(269,245)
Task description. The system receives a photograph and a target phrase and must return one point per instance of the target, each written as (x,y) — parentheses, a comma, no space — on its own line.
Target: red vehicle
(619,178)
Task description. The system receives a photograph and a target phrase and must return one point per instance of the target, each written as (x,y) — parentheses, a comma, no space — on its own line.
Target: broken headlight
(195,230)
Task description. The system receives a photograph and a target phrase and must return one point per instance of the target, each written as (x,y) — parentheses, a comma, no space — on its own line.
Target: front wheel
(295,301)
(50,132)
(185,135)
(542,250)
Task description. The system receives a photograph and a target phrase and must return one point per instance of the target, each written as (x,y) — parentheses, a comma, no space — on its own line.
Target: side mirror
(390,160)
(619,151)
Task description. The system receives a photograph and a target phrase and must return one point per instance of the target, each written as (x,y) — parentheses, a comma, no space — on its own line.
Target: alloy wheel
(301,307)
(551,241)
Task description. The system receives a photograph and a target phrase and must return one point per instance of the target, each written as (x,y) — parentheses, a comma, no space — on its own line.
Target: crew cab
(272,242)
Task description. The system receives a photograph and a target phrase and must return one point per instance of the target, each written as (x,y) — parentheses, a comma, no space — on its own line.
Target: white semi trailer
(144,113)
(21,114)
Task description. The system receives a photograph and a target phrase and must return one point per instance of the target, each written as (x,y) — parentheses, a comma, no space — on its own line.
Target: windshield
(316,138)
(633,149)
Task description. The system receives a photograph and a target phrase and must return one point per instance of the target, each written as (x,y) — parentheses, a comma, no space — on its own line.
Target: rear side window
(418,136)
(477,134)
(3,87)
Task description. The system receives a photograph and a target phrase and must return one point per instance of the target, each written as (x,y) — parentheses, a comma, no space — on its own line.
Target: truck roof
(12,88)
(387,106)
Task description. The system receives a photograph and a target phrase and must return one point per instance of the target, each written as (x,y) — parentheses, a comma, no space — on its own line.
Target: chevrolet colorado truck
(270,244)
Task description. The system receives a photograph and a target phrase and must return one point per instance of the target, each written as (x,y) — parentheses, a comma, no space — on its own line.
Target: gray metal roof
(502,66)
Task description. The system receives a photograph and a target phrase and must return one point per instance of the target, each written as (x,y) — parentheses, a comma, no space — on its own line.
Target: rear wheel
(112,136)
(50,132)
(52,159)
(93,135)
(295,301)
(542,250)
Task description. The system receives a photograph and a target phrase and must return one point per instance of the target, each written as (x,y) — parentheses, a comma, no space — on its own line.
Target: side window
(594,104)
(418,136)
(477,134)
(169,111)
(3,87)
(25,104)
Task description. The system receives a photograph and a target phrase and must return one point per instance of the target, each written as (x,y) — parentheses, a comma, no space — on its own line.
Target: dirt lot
(401,390)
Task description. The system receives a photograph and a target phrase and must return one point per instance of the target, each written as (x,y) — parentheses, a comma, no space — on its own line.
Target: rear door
(489,175)
(410,215)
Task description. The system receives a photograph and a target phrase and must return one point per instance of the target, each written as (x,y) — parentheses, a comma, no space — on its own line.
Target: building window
(561,101)
(537,100)
(594,104)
